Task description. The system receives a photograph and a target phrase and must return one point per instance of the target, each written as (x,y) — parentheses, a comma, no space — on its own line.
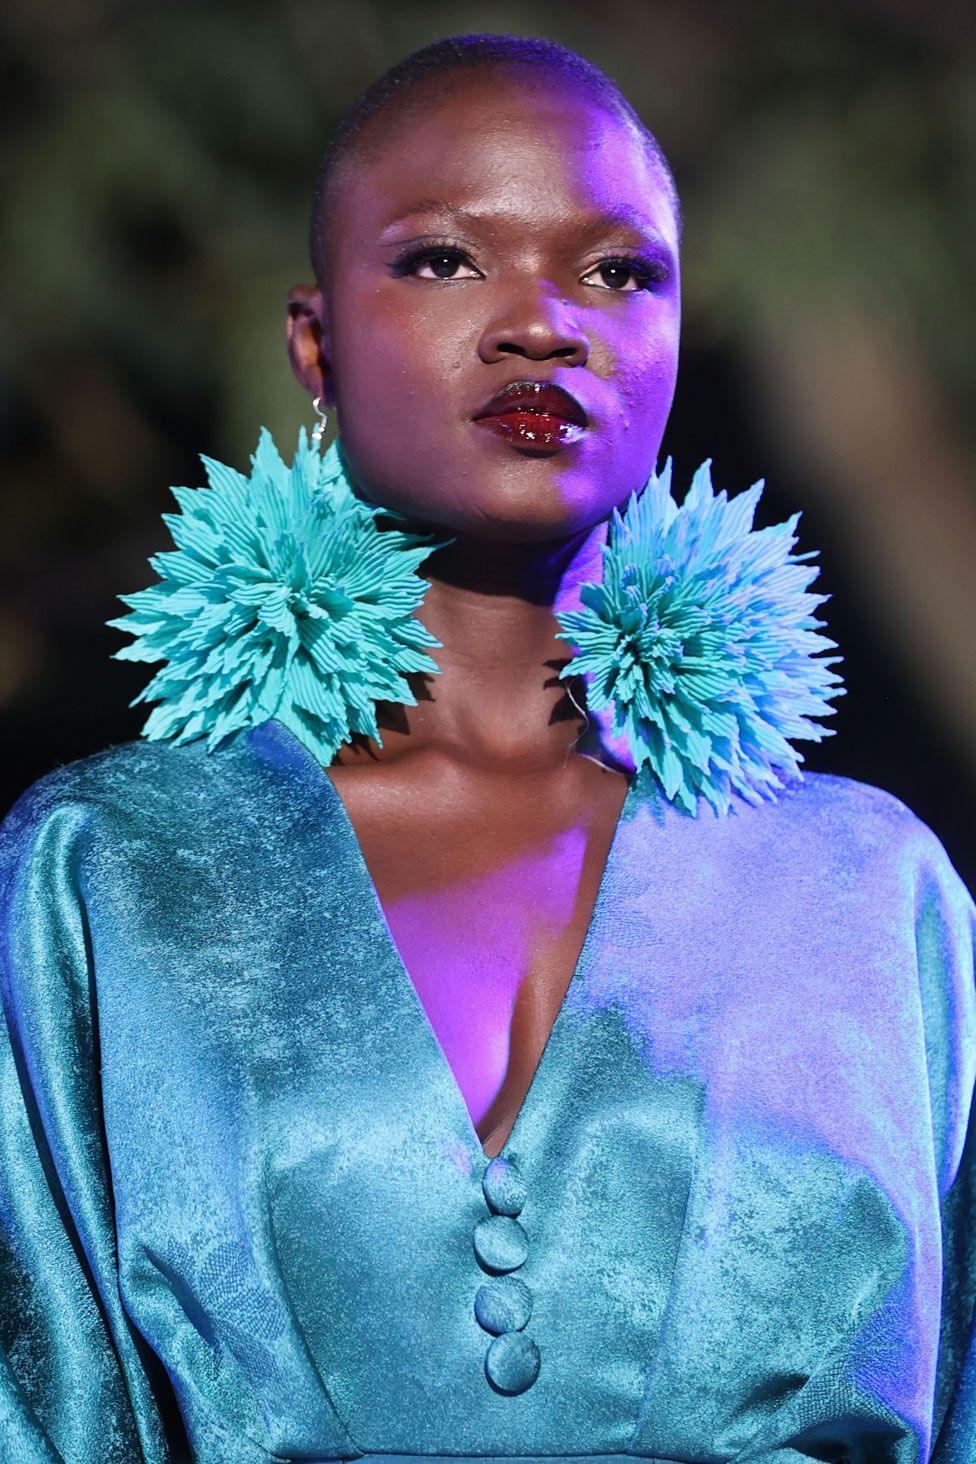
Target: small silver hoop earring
(319,428)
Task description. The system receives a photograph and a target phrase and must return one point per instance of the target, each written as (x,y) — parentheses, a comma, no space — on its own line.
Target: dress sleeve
(945,925)
(74,1376)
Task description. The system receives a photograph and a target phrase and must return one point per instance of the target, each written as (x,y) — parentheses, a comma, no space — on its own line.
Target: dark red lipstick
(534,414)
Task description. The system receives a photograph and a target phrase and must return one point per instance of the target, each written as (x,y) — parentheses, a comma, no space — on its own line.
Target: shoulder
(866,829)
(128,784)
(851,806)
(841,803)
(89,776)
(157,806)
(823,837)
(114,772)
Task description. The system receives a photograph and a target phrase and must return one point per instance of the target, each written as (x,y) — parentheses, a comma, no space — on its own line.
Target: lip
(537,416)
(527,395)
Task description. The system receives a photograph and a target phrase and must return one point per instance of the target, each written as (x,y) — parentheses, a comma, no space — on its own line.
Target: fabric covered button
(503,1304)
(504,1186)
(512,1362)
(500,1243)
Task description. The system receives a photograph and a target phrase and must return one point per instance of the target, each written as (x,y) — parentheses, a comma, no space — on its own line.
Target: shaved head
(435,72)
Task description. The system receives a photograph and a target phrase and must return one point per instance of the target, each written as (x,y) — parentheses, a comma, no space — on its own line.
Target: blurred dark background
(156,174)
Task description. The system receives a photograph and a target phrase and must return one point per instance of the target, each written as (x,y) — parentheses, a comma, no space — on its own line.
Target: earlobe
(307,335)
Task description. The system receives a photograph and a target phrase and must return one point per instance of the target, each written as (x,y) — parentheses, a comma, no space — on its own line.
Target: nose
(535,323)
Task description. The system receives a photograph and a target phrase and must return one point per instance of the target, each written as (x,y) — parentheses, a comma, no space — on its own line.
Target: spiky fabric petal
(702,641)
(283,598)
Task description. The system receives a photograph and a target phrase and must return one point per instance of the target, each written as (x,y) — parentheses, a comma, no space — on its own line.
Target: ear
(309,347)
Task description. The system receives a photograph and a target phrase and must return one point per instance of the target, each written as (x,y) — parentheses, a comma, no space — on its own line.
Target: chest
(742,1076)
(488,898)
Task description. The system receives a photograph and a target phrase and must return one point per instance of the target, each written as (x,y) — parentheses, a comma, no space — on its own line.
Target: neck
(498,702)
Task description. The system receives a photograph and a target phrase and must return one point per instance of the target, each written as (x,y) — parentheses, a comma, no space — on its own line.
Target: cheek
(645,388)
(395,369)
(393,331)
(638,352)
(654,349)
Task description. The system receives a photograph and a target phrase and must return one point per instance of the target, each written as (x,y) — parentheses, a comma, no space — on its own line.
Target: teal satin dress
(245,1215)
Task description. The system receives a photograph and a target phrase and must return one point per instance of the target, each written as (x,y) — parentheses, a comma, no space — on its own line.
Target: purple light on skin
(460,987)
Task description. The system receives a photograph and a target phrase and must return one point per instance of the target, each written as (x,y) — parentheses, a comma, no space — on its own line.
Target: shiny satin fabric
(239,1184)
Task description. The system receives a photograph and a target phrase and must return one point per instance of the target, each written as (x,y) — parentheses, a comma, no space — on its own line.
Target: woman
(457,1071)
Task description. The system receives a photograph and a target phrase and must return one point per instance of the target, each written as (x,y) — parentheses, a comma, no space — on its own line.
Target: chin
(528,518)
(509,531)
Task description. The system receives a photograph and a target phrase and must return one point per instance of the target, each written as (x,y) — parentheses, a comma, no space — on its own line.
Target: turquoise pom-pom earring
(701,640)
(282,599)
(285,599)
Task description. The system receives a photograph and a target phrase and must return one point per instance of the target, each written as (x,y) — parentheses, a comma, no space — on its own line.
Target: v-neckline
(397,965)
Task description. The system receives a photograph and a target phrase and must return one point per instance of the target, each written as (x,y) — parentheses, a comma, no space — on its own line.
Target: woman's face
(553,257)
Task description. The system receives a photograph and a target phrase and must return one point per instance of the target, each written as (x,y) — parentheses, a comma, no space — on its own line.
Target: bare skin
(485,827)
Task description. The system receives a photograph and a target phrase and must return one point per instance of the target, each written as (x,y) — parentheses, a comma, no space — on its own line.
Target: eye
(646,272)
(442,259)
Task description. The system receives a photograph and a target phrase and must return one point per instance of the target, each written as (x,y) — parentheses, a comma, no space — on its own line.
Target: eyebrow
(602,220)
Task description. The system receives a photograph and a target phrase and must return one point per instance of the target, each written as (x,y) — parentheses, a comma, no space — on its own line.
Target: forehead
(524,153)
